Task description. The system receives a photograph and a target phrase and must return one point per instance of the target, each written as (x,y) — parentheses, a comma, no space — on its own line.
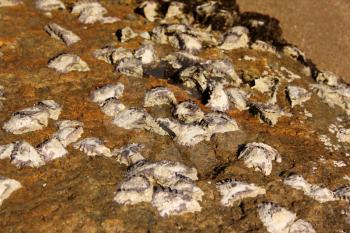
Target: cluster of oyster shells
(168,186)
(171,186)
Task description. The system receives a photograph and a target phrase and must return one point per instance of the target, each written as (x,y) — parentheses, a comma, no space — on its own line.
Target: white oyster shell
(260,156)
(263,46)
(52,149)
(91,12)
(60,33)
(147,54)
(68,131)
(130,67)
(184,134)
(93,147)
(149,10)
(238,98)
(134,190)
(108,91)
(8,3)
(235,38)
(7,187)
(218,100)
(24,154)
(112,106)
(343,192)
(65,63)
(216,122)
(6,150)
(133,118)
(169,202)
(268,113)
(316,192)
(111,54)
(232,190)
(297,95)
(277,219)
(49,5)
(126,34)
(159,96)
(184,41)
(129,154)
(188,112)
(33,118)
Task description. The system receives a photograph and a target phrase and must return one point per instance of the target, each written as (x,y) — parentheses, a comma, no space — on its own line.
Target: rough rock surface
(75,192)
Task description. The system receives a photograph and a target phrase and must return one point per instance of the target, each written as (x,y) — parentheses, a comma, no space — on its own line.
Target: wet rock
(60,33)
(260,156)
(232,191)
(65,63)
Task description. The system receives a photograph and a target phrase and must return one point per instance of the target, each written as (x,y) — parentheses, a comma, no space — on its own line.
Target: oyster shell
(49,5)
(343,192)
(24,154)
(51,149)
(129,154)
(218,100)
(7,187)
(133,118)
(260,156)
(60,33)
(268,113)
(297,95)
(8,3)
(328,78)
(316,192)
(34,118)
(6,150)
(223,69)
(91,12)
(238,98)
(185,41)
(112,106)
(260,45)
(146,53)
(112,55)
(65,63)
(188,112)
(232,190)
(276,219)
(125,34)
(149,9)
(130,67)
(105,92)
(235,38)
(93,147)
(170,202)
(279,220)
(216,122)
(184,134)
(194,76)
(159,96)
(134,190)
(265,84)
(68,131)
